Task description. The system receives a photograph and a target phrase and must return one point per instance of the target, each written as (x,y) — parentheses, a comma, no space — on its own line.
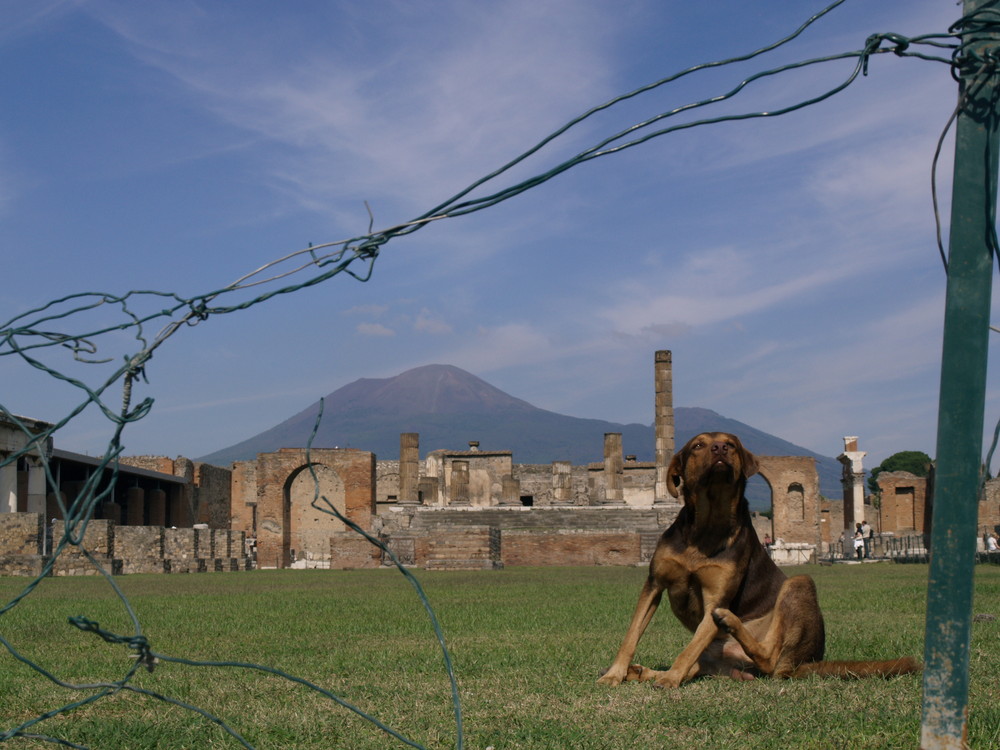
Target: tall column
(853,481)
(663,379)
(409,467)
(613,470)
(36,486)
(562,483)
(8,487)
(459,483)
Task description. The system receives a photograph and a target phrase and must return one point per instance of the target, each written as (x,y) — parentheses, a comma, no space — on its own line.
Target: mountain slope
(448,407)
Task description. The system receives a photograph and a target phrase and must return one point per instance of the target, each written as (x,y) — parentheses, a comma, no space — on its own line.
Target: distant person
(767,540)
(859,541)
(866,534)
(991,543)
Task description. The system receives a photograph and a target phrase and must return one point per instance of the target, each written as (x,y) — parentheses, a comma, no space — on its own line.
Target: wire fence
(65,325)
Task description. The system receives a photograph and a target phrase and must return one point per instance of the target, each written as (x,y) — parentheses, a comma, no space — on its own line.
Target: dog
(747,618)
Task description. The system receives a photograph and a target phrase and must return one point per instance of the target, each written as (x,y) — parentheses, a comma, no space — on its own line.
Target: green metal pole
(962,399)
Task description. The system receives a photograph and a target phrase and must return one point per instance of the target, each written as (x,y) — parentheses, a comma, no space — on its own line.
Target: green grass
(527,644)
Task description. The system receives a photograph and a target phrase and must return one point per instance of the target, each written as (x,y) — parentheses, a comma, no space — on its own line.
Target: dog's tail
(851,670)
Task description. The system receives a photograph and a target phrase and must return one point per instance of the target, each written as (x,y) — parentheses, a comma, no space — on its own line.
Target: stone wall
(989,507)
(387,482)
(903,502)
(117,549)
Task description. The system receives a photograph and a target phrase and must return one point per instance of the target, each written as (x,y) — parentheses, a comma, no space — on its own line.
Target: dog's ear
(748,461)
(675,474)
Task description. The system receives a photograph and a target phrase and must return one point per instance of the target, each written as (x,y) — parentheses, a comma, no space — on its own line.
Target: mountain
(448,407)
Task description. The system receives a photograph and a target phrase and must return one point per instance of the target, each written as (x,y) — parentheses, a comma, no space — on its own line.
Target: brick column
(409,468)
(613,486)
(663,381)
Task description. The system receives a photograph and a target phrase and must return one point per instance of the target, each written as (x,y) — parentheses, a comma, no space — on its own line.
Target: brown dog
(747,617)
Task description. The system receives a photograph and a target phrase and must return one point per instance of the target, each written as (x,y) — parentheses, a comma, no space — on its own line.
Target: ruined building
(469,508)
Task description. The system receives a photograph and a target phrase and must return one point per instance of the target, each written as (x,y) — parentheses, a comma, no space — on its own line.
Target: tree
(917,463)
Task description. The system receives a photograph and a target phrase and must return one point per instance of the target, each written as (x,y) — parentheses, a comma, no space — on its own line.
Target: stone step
(453,564)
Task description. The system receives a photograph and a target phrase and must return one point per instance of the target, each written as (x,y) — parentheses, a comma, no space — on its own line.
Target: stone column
(853,481)
(409,468)
(427,489)
(613,492)
(157,508)
(510,491)
(459,483)
(36,487)
(663,380)
(562,483)
(8,485)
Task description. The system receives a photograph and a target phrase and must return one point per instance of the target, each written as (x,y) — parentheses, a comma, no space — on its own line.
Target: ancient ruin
(468,508)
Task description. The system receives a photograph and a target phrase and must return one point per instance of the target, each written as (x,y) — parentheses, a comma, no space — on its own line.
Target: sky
(789,263)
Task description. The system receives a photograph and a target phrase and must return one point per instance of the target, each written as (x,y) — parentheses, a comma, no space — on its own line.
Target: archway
(308,528)
(760,495)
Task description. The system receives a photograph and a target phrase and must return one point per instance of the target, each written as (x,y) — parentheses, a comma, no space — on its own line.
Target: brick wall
(535,547)
(213,489)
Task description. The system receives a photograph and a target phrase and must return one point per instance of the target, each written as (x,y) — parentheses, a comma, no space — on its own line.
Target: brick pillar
(510,491)
(663,379)
(613,494)
(562,483)
(459,483)
(157,508)
(135,506)
(409,468)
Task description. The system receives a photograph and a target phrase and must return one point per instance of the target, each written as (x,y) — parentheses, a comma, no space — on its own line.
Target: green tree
(916,462)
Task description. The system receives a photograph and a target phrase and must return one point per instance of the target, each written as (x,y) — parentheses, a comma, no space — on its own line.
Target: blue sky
(789,263)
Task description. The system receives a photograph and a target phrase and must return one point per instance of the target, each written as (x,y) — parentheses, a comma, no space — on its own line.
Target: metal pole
(962,397)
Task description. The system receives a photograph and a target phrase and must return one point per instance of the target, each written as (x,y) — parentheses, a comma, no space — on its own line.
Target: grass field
(527,644)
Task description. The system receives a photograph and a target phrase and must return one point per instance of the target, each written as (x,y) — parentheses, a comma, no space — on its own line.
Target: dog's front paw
(725,620)
(611,676)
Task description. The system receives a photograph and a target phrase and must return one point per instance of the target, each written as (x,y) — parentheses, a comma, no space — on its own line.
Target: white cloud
(374,329)
(428,323)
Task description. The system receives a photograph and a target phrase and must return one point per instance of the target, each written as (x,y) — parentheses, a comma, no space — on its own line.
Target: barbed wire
(31,334)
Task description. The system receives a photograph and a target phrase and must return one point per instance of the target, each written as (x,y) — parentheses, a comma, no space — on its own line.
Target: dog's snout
(720,448)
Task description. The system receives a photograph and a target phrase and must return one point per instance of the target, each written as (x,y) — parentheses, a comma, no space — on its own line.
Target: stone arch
(795,505)
(308,524)
(761,523)
(278,495)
